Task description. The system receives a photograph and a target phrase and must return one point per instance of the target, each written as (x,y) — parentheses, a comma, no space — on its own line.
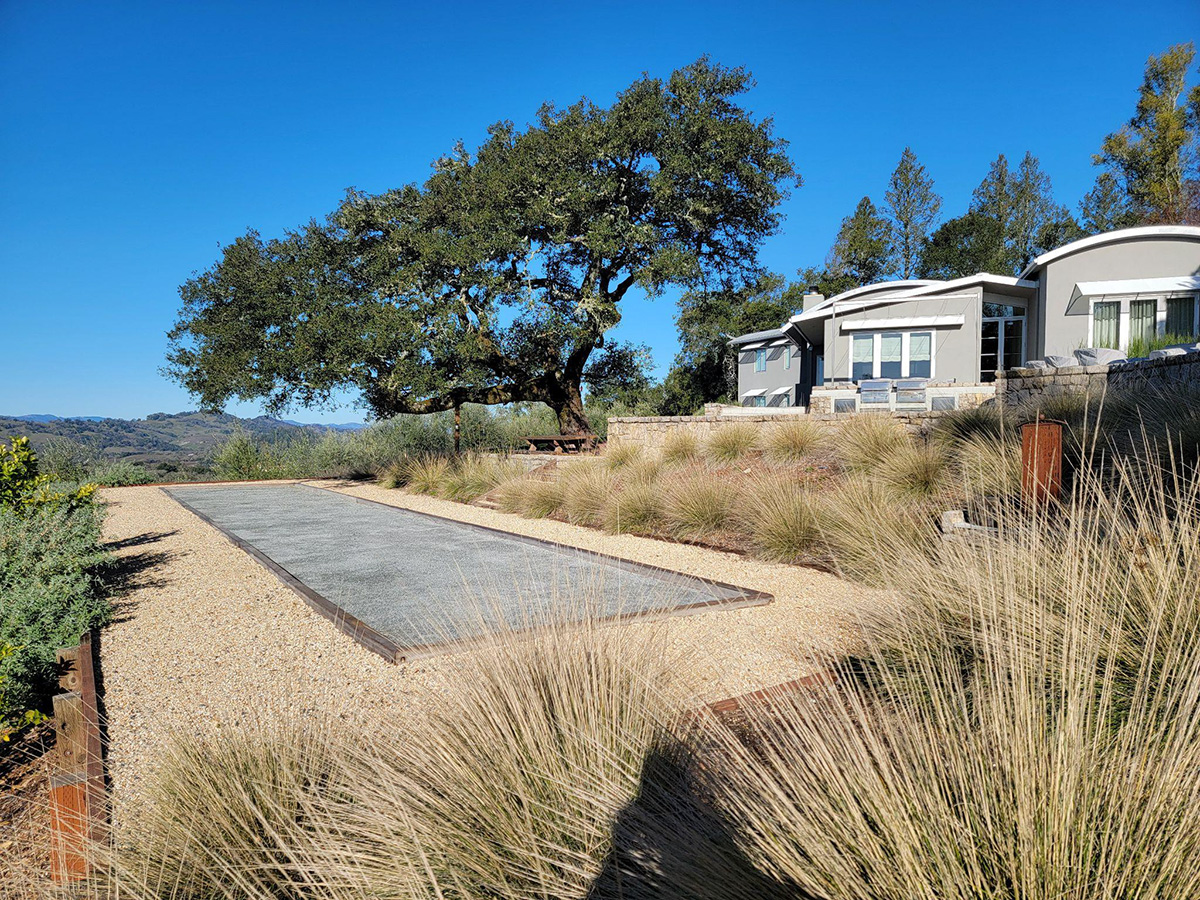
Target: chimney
(811,298)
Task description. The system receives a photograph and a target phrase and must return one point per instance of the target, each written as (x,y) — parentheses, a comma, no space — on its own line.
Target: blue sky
(138,137)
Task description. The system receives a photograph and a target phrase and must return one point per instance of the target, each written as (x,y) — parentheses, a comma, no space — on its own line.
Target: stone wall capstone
(1017,387)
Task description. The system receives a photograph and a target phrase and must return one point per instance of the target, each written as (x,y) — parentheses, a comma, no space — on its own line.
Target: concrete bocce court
(404,583)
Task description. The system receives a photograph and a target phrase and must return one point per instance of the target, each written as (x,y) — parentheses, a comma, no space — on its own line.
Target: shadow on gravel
(132,571)
(139,540)
(670,842)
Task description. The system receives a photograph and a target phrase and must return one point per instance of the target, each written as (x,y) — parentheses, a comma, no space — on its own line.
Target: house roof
(1188,232)
(907,290)
(773,334)
(878,287)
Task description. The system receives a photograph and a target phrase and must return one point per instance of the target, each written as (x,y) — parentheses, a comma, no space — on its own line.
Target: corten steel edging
(396,653)
(360,631)
(820,678)
(743,596)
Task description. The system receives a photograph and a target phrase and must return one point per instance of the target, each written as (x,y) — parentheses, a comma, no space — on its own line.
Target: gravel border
(205,637)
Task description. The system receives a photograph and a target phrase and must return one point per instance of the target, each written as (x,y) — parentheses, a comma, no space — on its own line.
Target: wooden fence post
(78,813)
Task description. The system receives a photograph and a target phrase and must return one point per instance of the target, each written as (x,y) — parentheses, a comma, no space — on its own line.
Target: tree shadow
(139,540)
(124,574)
(672,842)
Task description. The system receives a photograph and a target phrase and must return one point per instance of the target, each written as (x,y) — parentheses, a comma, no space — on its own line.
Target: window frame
(1125,314)
(760,359)
(876,338)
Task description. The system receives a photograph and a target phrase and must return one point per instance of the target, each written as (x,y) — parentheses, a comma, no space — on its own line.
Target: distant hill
(186,438)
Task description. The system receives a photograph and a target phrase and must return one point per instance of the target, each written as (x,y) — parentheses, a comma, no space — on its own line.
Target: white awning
(1085,290)
(778,391)
(910,322)
(757,392)
(779,343)
(753,346)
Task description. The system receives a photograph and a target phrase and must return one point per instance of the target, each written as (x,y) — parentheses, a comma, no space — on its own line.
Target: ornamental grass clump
(729,443)
(473,475)
(618,456)
(586,488)
(795,440)
(636,508)
(865,439)
(916,469)
(530,497)
(699,505)
(680,446)
(428,475)
(1027,727)
(781,520)
(871,534)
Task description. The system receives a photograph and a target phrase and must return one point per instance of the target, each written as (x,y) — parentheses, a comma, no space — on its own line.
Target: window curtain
(863,358)
(1142,321)
(920,354)
(1106,324)
(1181,316)
(890,354)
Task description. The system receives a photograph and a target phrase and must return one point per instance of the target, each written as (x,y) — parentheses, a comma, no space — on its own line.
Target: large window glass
(1106,324)
(1181,316)
(760,360)
(863,358)
(1142,325)
(760,401)
(890,354)
(920,354)
(1014,343)
(787,357)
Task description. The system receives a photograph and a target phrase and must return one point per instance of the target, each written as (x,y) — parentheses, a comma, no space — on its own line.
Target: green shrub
(1141,348)
(51,591)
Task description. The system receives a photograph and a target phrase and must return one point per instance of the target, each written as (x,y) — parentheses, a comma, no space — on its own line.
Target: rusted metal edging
(397,653)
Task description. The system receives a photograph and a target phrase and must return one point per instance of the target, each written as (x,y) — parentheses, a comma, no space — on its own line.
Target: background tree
(1155,157)
(1022,204)
(707,320)
(495,280)
(912,206)
(619,374)
(861,253)
(1105,207)
(971,243)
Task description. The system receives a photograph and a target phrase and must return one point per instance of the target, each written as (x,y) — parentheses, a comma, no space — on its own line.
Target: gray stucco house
(1120,290)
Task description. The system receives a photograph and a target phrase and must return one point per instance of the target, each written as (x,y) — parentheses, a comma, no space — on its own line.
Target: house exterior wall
(955,347)
(1137,257)
(775,377)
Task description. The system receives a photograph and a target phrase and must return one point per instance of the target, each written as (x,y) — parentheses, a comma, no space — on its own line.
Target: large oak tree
(497,279)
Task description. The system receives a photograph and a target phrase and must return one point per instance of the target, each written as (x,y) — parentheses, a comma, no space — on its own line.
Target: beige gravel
(205,637)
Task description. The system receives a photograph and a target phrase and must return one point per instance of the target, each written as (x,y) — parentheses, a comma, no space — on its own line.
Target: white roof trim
(778,391)
(1085,290)
(1112,237)
(982,278)
(934,289)
(757,392)
(910,322)
(871,289)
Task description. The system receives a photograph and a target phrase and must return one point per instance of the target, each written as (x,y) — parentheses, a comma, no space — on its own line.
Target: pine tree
(913,207)
(862,252)
(1154,156)
(1021,204)
(1106,207)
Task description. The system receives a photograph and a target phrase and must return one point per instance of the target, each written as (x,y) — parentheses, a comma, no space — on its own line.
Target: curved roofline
(1112,237)
(873,288)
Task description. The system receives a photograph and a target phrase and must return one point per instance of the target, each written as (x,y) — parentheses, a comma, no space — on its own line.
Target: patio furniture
(560,443)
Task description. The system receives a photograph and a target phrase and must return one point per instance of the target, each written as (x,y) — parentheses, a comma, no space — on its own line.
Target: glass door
(1001,345)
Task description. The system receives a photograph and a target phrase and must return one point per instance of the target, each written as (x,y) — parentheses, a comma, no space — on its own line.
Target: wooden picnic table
(560,443)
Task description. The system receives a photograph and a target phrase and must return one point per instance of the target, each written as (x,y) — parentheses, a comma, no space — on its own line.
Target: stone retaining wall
(649,432)
(1018,386)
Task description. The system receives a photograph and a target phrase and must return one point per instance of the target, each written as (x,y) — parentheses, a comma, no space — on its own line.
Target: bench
(560,443)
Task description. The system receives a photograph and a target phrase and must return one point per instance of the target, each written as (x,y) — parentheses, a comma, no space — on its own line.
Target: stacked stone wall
(1018,387)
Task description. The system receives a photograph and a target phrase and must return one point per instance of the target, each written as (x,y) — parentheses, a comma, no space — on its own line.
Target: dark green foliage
(1154,159)
(51,591)
(912,206)
(971,243)
(495,280)
(1106,207)
(703,371)
(619,375)
(1023,205)
(862,252)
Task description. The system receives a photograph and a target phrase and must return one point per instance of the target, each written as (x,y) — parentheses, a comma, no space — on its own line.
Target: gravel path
(205,637)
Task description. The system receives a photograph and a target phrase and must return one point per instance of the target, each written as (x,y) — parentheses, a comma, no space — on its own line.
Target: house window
(920,354)
(760,360)
(891,360)
(1106,324)
(760,401)
(1142,321)
(863,358)
(787,357)
(1181,316)
(892,354)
